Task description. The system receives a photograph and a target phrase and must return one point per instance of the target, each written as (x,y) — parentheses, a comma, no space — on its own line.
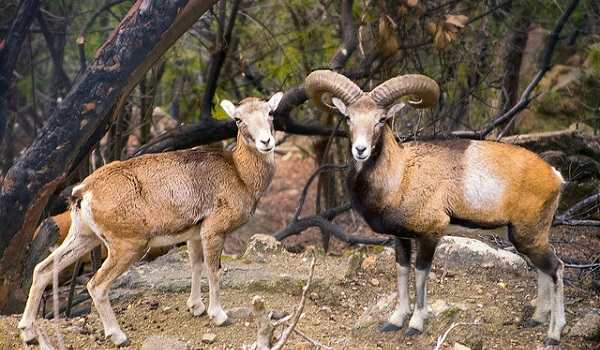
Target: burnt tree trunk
(73,129)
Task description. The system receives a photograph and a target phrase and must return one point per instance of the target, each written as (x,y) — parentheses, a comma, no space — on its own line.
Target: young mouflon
(194,195)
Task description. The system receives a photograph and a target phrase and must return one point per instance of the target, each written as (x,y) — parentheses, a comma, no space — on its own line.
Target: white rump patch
(558,174)
(483,189)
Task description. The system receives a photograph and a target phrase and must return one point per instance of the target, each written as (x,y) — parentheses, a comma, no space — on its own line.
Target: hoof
(532,324)
(225,323)
(33,341)
(552,342)
(29,336)
(118,338)
(124,344)
(388,327)
(198,314)
(412,331)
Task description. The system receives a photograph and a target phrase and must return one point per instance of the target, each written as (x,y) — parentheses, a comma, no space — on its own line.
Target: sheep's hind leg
(194,302)
(121,255)
(543,307)
(426,250)
(402,311)
(550,297)
(557,316)
(76,244)
(550,304)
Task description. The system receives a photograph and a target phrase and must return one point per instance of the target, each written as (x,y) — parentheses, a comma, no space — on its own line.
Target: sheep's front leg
(402,311)
(426,250)
(213,239)
(194,302)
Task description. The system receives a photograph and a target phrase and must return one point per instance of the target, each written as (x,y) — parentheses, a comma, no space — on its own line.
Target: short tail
(76,196)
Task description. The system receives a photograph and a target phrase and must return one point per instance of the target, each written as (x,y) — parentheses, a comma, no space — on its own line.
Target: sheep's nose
(266,142)
(360,149)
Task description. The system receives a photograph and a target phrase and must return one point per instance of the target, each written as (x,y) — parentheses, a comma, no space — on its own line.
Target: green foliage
(276,44)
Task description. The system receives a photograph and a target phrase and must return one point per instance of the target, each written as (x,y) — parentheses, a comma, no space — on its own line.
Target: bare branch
(441,339)
(526,97)
(312,341)
(298,312)
(350,38)
(217,58)
(265,328)
(566,218)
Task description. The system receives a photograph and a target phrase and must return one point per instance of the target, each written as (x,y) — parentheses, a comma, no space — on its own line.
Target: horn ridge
(392,89)
(321,81)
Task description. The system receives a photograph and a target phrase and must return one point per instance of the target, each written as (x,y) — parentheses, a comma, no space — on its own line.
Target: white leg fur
(118,261)
(402,310)
(194,302)
(111,326)
(557,318)
(543,306)
(212,258)
(72,248)
(417,320)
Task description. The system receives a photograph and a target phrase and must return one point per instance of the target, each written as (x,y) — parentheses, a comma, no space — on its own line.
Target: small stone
(261,246)
(588,327)
(240,313)
(375,282)
(353,263)
(313,296)
(459,346)
(157,342)
(209,338)
(370,263)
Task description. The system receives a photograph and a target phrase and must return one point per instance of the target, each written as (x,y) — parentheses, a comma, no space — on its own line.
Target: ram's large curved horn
(321,81)
(390,90)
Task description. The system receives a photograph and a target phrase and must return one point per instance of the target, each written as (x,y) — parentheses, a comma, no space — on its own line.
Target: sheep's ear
(228,107)
(274,100)
(339,105)
(395,109)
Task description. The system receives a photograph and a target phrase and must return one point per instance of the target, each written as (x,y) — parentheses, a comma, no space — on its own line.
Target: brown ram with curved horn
(424,190)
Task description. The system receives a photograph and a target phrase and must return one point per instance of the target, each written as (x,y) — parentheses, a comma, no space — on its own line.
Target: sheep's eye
(271,113)
(382,120)
(237,120)
(347,119)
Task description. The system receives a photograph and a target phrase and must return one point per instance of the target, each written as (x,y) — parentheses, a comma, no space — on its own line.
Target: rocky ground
(478,301)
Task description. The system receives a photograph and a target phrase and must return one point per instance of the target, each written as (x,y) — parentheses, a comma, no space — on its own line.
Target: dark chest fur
(367,202)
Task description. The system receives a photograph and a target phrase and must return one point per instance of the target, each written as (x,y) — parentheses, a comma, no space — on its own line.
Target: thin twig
(312,341)
(585,266)
(566,218)
(442,338)
(322,168)
(298,312)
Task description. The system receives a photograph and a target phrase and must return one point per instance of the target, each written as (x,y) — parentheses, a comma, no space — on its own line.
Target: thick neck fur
(386,157)
(255,169)
(368,183)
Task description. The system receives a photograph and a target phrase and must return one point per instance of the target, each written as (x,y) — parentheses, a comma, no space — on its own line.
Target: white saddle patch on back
(482,188)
